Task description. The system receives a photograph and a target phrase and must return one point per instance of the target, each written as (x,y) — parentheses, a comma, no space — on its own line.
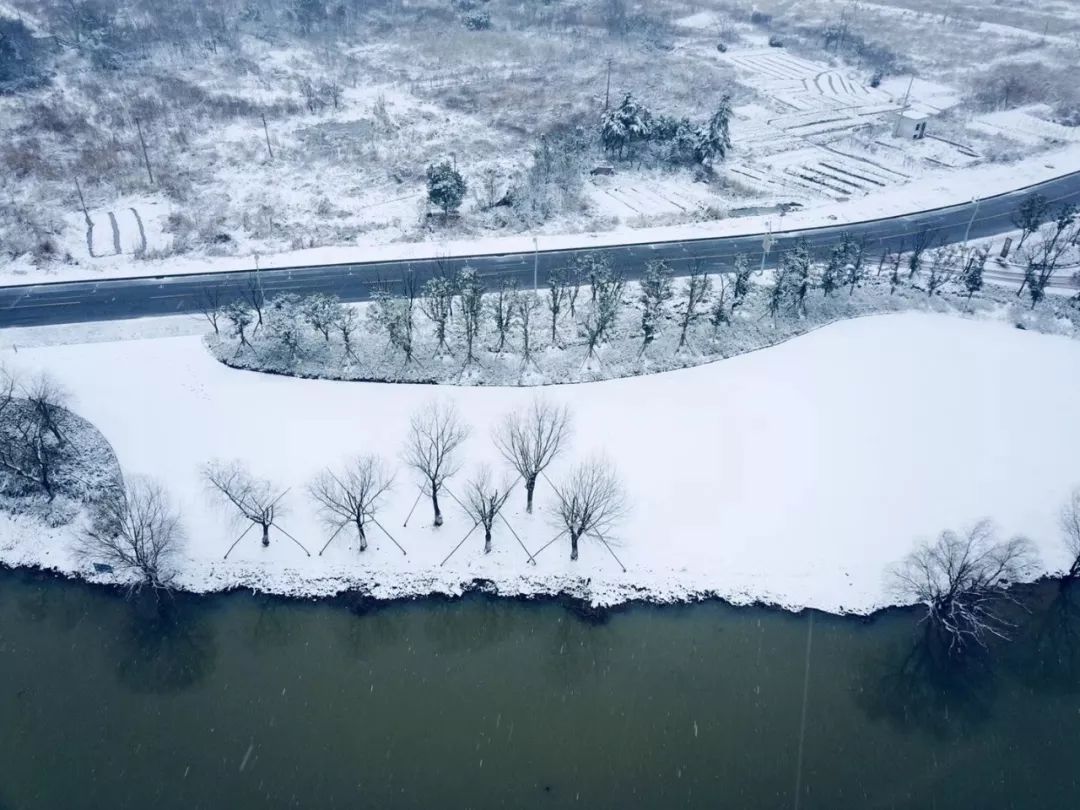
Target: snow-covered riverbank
(793,475)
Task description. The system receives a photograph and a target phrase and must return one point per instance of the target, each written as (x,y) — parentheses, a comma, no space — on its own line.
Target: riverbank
(792,476)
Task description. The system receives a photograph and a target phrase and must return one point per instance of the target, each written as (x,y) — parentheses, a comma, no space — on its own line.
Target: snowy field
(343,175)
(792,475)
(940,189)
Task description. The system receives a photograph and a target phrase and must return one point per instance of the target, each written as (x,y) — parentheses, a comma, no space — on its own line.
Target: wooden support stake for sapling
(146,157)
(335,534)
(600,537)
(266,132)
(459,545)
(548,543)
(292,538)
(392,540)
(238,539)
(409,517)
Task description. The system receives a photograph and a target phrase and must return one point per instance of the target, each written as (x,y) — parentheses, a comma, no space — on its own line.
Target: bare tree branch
(963,580)
(591,500)
(351,495)
(484,501)
(531,439)
(435,434)
(136,530)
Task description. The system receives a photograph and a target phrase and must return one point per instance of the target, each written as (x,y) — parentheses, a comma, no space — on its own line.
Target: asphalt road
(79,301)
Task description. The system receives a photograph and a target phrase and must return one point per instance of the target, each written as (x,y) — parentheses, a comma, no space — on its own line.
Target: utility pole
(607,88)
(766,244)
(536,263)
(971,221)
(266,132)
(82,202)
(146,158)
(904,106)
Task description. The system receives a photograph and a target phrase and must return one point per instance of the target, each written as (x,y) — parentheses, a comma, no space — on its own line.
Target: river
(245,701)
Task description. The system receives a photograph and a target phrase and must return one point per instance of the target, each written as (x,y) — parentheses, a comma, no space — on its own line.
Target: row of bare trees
(964,578)
(136,529)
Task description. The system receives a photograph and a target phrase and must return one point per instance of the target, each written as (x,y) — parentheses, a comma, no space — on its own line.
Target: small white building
(911,124)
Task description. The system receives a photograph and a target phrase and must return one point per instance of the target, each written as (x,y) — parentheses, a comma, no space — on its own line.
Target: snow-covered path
(795,474)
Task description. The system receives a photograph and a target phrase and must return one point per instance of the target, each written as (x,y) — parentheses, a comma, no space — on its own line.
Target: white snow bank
(793,475)
(933,190)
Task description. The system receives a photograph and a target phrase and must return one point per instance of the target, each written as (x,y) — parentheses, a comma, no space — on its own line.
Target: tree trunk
(573,545)
(530,487)
(266,534)
(363,537)
(487,540)
(435,506)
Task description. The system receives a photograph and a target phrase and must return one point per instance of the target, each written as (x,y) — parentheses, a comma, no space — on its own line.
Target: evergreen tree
(446,187)
(625,125)
(714,139)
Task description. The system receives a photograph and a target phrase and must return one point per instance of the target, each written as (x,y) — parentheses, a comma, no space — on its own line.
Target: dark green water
(248,702)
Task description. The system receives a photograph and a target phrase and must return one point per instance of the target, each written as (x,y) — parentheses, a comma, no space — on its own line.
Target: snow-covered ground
(809,126)
(938,190)
(792,475)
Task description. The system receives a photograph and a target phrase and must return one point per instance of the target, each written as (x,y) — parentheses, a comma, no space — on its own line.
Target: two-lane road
(108,299)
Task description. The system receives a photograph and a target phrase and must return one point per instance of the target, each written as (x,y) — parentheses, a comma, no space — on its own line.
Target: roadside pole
(536,263)
(971,221)
(766,243)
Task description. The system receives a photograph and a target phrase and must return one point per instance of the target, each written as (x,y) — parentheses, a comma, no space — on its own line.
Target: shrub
(477,21)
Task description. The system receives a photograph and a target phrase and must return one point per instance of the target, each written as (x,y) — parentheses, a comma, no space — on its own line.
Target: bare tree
(135,529)
(525,306)
(212,306)
(348,321)
(591,501)
(502,313)
(920,243)
(695,292)
(255,296)
(49,402)
(1030,215)
(531,439)
(656,291)
(239,316)
(855,270)
(558,293)
(351,495)
(321,311)
(394,315)
(942,265)
(471,290)
(29,451)
(1070,528)
(894,270)
(604,311)
(8,384)
(484,501)
(718,312)
(251,497)
(437,303)
(972,275)
(963,579)
(741,288)
(1043,258)
(435,434)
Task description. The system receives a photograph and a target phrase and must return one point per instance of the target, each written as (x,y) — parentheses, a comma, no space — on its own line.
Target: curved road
(78,301)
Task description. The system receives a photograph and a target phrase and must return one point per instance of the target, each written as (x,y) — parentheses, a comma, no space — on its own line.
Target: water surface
(243,701)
